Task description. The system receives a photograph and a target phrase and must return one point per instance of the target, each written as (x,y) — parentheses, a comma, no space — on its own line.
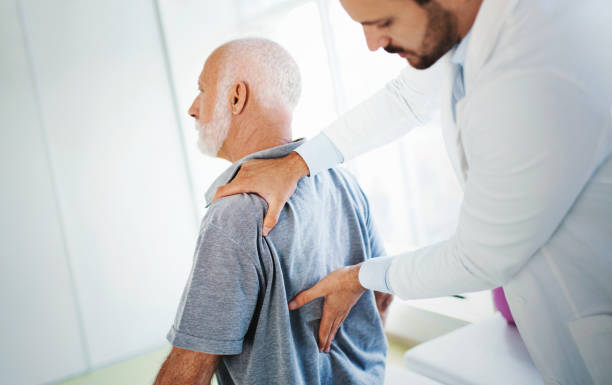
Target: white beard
(211,135)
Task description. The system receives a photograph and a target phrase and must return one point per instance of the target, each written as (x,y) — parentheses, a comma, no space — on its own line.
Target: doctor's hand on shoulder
(275,180)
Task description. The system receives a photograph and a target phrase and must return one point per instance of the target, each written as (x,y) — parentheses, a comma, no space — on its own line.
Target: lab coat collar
(458,55)
(230,172)
(485,34)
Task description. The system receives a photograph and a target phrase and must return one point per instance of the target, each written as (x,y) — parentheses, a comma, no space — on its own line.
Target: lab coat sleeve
(408,101)
(320,154)
(532,142)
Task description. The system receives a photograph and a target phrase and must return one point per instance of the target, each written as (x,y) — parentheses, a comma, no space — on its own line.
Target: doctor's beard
(441,36)
(211,135)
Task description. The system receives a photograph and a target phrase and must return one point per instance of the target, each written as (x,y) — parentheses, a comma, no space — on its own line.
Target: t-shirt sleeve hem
(204,345)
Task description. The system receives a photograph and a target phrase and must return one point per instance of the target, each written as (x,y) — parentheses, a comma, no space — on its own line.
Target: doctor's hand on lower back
(274,180)
(341,290)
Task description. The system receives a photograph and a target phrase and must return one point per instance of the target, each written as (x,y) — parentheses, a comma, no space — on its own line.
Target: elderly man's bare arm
(274,180)
(187,367)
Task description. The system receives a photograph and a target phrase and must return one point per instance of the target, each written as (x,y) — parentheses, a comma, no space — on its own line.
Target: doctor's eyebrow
(373,22)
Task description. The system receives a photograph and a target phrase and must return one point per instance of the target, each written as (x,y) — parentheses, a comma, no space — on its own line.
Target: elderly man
(233,316)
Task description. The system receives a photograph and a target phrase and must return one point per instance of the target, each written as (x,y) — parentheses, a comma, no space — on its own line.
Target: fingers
(275,206)
(331,336)
(332,333)
(305,297)
(325,329)
(227,190)
(274,210)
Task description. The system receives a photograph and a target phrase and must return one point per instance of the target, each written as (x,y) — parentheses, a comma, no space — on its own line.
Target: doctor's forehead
(371,11)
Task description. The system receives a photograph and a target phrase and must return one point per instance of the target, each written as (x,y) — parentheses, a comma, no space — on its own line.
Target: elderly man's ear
(238,95)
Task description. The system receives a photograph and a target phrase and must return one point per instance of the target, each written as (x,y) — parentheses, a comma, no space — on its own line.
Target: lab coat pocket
(593,336)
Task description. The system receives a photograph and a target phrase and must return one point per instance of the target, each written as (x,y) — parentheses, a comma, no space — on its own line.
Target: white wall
(99,218)
(40,328)
(122,183)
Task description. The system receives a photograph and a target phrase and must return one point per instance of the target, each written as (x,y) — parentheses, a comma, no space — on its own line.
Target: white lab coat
(531,148)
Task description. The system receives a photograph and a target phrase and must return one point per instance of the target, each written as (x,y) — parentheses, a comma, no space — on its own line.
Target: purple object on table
(499,299)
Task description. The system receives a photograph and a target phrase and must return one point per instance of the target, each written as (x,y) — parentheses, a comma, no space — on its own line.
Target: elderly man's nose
(374,38)
(193,110)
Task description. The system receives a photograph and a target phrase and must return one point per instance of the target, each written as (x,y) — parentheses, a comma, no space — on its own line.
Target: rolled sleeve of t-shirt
(220,297)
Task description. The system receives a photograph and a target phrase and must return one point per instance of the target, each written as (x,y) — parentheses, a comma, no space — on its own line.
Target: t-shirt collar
(231,171)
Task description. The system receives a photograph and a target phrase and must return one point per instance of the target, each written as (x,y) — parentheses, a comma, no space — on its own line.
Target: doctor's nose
(374,38)
(193,110)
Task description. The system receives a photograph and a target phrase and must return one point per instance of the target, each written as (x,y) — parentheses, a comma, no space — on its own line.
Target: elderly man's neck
(248,136)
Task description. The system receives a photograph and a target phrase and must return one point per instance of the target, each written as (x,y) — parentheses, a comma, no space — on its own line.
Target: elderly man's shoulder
(343,177)
(237,213)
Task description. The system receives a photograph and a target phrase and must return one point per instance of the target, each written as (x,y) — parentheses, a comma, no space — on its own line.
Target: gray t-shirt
(235,301)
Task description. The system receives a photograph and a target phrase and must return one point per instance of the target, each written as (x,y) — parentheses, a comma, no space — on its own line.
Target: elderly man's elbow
(185,366)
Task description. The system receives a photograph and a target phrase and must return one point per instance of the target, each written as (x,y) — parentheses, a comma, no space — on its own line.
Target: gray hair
(271,72)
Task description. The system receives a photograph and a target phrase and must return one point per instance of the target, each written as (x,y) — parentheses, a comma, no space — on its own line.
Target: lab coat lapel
(485,35)
(486,32)
(450,129)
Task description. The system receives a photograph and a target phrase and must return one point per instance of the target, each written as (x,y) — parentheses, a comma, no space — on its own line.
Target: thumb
(226,190)
(274,210)
(305,297)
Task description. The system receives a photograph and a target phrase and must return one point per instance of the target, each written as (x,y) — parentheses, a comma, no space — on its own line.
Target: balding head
(248,90)
(273,74)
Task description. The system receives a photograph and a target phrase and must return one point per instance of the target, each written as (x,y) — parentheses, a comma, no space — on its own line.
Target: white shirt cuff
(374,274)
(320,154)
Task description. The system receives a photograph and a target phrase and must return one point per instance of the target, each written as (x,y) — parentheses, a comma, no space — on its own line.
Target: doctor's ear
(238,97)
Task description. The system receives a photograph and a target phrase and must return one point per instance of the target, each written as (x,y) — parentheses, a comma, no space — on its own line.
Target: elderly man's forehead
(210,69)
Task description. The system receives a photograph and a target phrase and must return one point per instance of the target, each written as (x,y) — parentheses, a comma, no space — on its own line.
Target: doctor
(525,92)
